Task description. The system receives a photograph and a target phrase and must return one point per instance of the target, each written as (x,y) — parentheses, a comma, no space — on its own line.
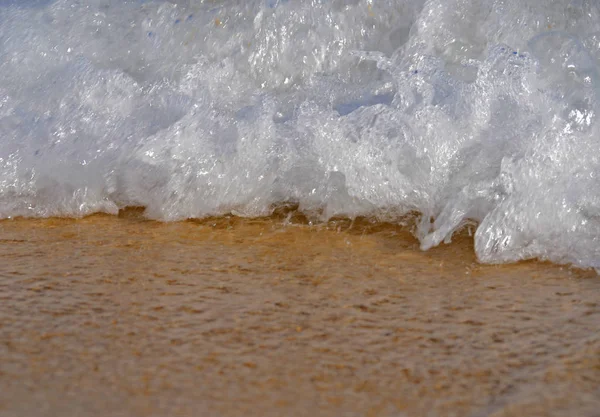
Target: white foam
(461,110)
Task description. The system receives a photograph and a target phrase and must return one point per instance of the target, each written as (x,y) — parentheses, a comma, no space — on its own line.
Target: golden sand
(118,316)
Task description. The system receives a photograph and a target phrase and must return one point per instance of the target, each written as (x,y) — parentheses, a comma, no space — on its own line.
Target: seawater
(464,111)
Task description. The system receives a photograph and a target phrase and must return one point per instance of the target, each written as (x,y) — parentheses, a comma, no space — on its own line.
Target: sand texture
(119,316)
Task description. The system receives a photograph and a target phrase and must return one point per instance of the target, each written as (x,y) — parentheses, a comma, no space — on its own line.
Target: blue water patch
(370,100)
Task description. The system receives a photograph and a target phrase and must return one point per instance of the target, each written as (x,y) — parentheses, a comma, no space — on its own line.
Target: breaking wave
(480,111)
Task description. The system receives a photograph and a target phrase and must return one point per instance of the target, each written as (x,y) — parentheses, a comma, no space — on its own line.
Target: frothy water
(462,110)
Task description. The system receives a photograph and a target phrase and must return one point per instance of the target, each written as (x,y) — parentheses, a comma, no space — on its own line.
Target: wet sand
(118,316)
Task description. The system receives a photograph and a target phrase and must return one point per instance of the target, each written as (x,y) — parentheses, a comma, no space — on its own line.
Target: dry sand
(117,316)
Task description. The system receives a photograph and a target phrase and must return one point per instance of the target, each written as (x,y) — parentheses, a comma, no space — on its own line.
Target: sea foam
(463,111)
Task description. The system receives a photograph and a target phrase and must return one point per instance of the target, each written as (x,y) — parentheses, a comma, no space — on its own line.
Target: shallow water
(481,111)
(230,317)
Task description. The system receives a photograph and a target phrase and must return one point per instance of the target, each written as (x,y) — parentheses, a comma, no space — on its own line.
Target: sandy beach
(120,316)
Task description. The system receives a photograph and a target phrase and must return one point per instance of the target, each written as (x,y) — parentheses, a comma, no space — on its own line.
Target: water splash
(464,111)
